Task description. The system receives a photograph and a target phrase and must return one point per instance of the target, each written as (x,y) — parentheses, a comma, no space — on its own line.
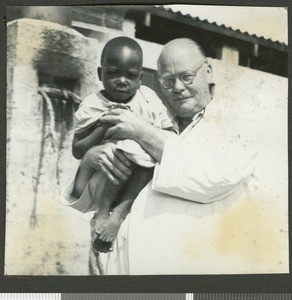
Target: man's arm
(129,126)
(92,136)
(207,168)
(204,171)
(153,140)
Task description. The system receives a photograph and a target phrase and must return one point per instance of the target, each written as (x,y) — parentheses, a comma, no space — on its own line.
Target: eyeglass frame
(179,75)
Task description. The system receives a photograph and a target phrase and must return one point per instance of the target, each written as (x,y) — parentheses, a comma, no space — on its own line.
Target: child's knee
(78,189)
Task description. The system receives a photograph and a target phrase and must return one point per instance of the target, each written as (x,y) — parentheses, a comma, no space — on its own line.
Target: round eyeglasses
(186,77)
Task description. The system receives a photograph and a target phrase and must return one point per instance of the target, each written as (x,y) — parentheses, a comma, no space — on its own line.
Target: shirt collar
(111,104)
(206,113)
(196,118)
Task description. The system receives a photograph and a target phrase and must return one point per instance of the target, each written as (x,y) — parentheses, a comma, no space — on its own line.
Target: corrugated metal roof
(192,14)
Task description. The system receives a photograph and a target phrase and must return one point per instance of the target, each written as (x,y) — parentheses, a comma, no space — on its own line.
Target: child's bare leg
(103,193)
(139,179)
(82,177)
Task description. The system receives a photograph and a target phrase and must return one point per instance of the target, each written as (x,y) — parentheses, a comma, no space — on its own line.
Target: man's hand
(127,125)
(110,160)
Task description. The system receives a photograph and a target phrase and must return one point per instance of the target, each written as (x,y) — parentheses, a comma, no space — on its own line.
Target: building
(153,26)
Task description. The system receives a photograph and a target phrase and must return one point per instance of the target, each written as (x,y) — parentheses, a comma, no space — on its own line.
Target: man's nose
(178,86)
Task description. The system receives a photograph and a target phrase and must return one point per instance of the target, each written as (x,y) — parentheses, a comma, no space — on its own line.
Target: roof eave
(213,27)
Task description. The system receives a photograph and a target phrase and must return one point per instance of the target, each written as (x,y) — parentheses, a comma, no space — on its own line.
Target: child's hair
(119,43)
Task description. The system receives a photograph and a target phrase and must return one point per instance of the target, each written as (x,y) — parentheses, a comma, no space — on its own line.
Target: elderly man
(201,214)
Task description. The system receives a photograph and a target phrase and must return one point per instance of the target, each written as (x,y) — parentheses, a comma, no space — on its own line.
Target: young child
(120,73)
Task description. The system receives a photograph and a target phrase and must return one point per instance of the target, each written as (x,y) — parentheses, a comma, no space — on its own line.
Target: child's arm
(88,138)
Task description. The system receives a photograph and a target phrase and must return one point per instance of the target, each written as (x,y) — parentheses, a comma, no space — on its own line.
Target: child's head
(121,68)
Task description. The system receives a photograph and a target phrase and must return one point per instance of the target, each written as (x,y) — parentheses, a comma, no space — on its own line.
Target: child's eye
(112,72)
(132,76)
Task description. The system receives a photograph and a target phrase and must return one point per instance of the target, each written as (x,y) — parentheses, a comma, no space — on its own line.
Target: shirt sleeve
(89,111)
(203,171)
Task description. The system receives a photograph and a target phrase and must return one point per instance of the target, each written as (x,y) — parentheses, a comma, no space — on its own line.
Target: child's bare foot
(97,227)
(96,223)
(111,227)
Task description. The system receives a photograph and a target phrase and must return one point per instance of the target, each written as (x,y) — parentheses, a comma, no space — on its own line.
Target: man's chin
(184,112)
(181,107)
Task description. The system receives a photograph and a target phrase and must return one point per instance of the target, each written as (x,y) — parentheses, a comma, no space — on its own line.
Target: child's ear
(99,73)
(141,76)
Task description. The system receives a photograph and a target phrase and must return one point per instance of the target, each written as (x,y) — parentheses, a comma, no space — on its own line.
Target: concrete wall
(42,236)
(54,240)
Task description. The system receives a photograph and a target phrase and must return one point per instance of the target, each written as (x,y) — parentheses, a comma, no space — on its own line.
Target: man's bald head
(179,49)
(185,77)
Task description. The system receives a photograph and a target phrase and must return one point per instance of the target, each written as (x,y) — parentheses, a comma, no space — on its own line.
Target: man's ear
(210,77)
(99,73)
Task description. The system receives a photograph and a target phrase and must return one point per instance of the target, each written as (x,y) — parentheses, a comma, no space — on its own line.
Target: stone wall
(42,236)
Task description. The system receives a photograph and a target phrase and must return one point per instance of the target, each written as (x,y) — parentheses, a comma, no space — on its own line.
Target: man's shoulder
(146,89)
(233,117)
(148,94)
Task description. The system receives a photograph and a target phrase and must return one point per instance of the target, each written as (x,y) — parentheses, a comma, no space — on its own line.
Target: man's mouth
(180,98)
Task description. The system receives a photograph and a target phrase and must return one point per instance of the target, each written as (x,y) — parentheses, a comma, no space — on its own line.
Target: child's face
(121,74)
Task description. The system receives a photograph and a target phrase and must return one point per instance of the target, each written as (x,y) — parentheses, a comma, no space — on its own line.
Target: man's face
(186,99)
(121,74)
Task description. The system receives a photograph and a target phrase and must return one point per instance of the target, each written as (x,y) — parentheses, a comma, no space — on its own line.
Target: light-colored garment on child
(145,103)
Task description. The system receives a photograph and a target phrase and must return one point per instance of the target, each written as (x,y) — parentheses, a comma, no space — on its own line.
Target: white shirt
(205,211)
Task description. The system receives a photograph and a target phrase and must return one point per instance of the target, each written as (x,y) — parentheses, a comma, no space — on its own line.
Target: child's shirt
(145,103)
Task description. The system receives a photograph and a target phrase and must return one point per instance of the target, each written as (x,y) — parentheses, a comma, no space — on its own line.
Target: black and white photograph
(146,140)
